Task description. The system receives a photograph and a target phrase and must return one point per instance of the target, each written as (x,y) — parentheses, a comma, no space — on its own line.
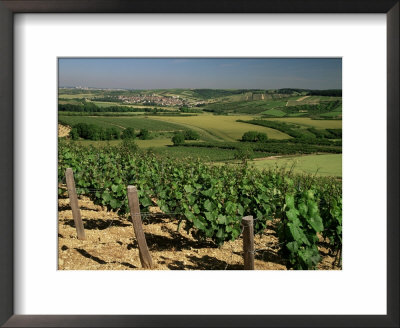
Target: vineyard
(209,201)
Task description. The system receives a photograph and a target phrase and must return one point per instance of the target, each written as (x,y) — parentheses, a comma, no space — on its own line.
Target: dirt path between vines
(110,244)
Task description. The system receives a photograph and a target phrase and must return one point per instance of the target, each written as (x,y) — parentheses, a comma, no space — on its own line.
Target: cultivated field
(155,143)
(200,164)
(310,100)
(75,96)
(324,165)
(224,128)
(122,123)
(212,128)
(308,122)
(274,112)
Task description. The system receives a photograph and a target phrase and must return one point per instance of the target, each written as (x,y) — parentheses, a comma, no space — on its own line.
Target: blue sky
(213,73)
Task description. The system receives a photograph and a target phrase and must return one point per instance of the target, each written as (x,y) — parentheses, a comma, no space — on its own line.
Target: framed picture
(269,74)
(219,117)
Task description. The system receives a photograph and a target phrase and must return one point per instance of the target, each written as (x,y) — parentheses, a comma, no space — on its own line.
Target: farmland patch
(322,165)
(224,127)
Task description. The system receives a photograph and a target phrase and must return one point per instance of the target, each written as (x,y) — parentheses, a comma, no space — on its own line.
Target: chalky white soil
(110,244)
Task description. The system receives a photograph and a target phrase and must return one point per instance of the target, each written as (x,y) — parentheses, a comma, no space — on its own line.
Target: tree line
(95,132)
(90,107)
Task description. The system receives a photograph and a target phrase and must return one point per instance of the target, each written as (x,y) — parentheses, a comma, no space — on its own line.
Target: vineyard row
(213,199)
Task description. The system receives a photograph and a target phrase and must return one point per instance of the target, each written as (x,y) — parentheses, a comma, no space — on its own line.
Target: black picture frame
(10,7)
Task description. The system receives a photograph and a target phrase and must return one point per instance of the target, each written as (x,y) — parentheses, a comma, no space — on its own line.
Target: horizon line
(99,88)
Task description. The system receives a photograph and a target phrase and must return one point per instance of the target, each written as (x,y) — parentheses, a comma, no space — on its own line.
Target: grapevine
(212,199)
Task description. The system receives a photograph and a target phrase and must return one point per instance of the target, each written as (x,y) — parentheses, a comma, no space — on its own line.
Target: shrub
(244,153)
(93,132)
(74,134)
(178,139)
(337,133)
(262,137)
(128,133)
(114,133)
(129,145)
(191,135)
(253,136)
(144,134)
(88,131)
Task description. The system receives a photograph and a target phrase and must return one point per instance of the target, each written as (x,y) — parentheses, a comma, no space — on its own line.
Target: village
(153,100)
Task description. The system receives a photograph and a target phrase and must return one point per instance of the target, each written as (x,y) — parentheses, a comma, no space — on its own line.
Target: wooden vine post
(73,201)
(144,253)
(248,242)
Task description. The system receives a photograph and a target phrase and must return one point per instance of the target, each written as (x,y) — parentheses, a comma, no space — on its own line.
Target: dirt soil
(302,98)
(264,158)
(110,244)
(63,130)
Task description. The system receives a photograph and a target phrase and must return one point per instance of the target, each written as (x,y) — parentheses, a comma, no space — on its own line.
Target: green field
(311,100)
(248,106)
(210,158)
(207,154)
(70,101)
(210,127)
(215,119)
(332,114)
(308,122)
(121,123)
(152,143)
(324,165)
(162,147)
(75,96)
(107,103)
(274,112)
(114,114)
(275,103)
(295,114)
(321,165)
(223,127)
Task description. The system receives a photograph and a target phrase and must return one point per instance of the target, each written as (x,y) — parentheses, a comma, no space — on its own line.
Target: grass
(72,102)
(308,122)
(323,165)
(75,96)
(207,154)
(274,112)
(312,100)
(269,104)
(72,120)
(223,127)
(114,114)
(107,103)
(194,152)
(142,123)
(157,143)
(331,114)
(123,122)
(160,147)
(296,114)
(98,143)
(249,106)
